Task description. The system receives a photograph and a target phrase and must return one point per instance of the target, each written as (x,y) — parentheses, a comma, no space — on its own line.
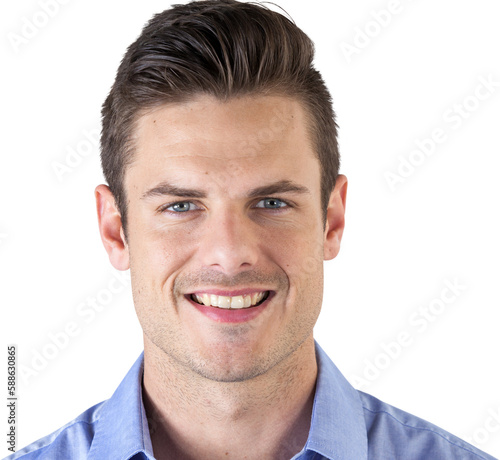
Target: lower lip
(222,315)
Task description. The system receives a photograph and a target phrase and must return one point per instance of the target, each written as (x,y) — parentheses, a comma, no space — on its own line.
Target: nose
(230,242)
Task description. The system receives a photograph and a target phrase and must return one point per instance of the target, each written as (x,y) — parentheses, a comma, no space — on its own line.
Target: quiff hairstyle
(226,49)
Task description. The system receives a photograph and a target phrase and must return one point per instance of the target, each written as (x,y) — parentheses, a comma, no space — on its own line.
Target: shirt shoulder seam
(56,435)
(424,429)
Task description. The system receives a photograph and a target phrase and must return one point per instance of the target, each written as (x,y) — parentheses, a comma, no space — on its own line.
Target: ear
(111,229)
(335,219)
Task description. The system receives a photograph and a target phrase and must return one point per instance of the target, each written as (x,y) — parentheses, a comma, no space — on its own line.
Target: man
(224,199)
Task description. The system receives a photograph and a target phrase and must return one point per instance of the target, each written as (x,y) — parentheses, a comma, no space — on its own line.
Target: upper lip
(227,292)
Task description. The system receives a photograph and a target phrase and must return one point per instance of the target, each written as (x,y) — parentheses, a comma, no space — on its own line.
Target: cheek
(155,260)
(300,254)
(301,257)
(155,255)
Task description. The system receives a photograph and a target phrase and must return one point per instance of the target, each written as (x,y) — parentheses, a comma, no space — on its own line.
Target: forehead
(260,134)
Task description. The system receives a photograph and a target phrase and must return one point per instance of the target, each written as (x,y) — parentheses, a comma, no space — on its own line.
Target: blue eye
(271,203)
(181,206)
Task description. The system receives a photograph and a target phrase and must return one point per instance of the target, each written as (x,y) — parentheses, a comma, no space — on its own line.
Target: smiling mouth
(231,303)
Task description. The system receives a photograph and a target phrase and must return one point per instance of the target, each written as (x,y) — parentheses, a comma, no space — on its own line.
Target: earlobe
(335,219)
(111,229)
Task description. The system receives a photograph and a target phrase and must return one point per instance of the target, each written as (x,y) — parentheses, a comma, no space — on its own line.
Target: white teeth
(236,302)
(247,301)
(257,297)
(223,302)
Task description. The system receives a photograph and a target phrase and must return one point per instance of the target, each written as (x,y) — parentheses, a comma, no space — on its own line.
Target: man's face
(224,202)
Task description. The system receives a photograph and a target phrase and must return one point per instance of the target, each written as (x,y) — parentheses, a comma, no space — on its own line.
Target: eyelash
(164,208)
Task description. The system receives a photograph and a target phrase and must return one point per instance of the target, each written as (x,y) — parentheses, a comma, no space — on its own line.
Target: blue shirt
(346,424)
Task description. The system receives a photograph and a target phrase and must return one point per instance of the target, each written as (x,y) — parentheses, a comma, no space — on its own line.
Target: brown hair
(223,48)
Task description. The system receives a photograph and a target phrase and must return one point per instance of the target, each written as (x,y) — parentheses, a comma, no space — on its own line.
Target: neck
(264,417)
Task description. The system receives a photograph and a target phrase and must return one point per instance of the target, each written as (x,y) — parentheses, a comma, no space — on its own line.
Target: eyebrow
(282,186)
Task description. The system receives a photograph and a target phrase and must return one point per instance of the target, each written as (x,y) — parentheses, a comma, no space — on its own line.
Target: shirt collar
(337,430)
(122,431)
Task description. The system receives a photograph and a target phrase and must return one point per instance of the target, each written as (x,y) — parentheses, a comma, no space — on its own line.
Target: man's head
(220,136)
(225,49)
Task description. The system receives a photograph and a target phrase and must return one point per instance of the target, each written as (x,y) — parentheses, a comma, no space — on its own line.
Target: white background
(399,249)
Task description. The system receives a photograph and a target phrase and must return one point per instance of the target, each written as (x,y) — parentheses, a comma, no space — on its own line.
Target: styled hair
(226,49)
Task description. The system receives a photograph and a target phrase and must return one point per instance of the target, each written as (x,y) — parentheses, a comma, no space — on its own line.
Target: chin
(229,375)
